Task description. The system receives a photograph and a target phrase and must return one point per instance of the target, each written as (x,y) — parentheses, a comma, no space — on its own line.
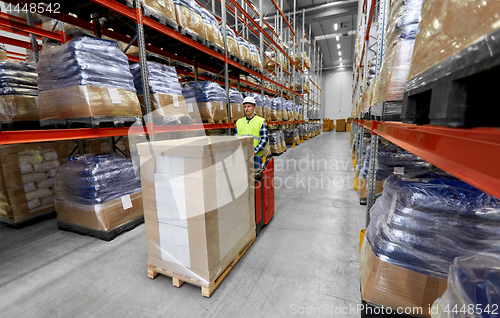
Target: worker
(255,126)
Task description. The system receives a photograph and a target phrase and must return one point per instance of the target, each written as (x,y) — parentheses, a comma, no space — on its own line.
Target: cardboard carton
(340,125)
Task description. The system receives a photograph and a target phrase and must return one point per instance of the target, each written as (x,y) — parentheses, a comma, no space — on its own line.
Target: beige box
(212,111)
(233,47)
(14,108)
(363,186)
(165,8)
(102,217)
(88,101)
(340,125)
(213,34)
(189,19)
(166,105)
(389,285)
(237,111)
(198,204)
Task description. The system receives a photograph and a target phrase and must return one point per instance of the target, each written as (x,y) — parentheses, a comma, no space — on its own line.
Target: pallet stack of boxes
(167,103)
(212,30)
(236,105)
(86,81)
(18,95)
(195,238)
(159,9)
(245,52)
(275,142)
(189,18)
(268,110)
(27,179)
(256,59)
(232,42)
(211,101)
(98,195)
(276,109)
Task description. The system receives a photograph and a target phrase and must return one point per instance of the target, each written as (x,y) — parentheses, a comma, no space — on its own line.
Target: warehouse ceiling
(320,16)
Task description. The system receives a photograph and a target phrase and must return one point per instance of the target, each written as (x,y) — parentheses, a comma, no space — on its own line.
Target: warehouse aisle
(306,259)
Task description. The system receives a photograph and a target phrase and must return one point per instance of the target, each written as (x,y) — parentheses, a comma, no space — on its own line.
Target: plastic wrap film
(165,8)
(18,78)
(3,52)
(276,109)
(235,96)
(275,141)
(212,30)
(473,284)
(302,61)
(15,108)
(189,17)
(96,179)
(245,50)
(27,178)
(291,135)
(204,92)
(449,27)
(196,240)
(162,79)
(84,61)
(213,112)
(170,107)
(256,60)
(393,72)
(423,222)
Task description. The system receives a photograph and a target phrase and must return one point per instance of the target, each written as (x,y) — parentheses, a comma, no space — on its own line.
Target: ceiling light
(340,53)
(340,64)
(335,26)
(337,37)
(340,59)
(338,46)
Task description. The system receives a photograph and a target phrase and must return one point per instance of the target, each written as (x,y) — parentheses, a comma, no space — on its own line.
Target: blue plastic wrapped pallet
(98,192)
(86,78)
(211,99)
(276,109)
(473,288)
(166,97)
(18,92)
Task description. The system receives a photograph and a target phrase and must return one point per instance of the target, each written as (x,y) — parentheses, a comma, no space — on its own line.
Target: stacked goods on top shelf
(167,102)
(417,228)
(86,81)
(236,104)
(18,94)
(232,43)
(269,59)
(27,178)
(302,61)
(211,100)
(275,142)
(259,104)
(472,280)
(196,240)
(189,16)
(212,30)
(454,65)
(3,52)
(399,40)
(164,8)
(245,50)
(268,108)
(276,109)
(256,60)
(97,192)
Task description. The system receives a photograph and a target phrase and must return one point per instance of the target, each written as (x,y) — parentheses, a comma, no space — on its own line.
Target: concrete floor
(304,263)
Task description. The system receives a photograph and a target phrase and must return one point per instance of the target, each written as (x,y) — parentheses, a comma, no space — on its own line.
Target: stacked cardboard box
(199,207)
(340,124)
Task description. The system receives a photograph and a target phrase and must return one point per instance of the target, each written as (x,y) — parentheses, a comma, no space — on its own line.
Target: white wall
(336,95)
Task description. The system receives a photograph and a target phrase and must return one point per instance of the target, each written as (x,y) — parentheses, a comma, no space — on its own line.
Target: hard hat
(249,99)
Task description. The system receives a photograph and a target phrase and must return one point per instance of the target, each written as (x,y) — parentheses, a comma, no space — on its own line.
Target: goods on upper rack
(166,97)
(268,108)
(210,98)
(86,80)
(18,93)
(165,8)
(276,109)
(232,43)
(399,40)
(3,52)
(236,104)
(196,240)
(302,61)
(28,172)
(472,281)
(213,33)
(97,191)
(256,60)
(189,16)
(245,50)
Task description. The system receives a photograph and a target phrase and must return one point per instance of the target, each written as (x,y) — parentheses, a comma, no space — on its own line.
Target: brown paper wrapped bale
(394,71)
(101,217)
(245,54)
(233,47)
(88,101)
(268,114)
(461,23)
(15,108)
(290,115)
(3,55)
(300,116)
(13,200)
(195,234)
(284,115)
(213,34)
(258,111)
(166,105)
(165,8)
(213,111)
(276,115)
(237,111)
(256,61)
(189,19)
(389,285)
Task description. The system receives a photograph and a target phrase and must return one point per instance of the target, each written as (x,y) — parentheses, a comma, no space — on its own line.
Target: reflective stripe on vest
(251,129)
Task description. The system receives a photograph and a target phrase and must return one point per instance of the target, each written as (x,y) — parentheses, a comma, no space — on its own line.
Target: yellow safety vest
(251,128)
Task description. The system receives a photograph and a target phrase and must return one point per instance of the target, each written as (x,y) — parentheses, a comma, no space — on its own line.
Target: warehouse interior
(249,158)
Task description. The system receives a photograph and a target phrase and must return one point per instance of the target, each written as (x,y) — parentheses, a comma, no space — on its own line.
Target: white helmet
(249,99)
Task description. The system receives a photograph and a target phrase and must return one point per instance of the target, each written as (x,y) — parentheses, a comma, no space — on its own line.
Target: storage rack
(187,51)
(463,152)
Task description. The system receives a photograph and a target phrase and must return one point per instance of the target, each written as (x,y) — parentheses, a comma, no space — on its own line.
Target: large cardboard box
(166,105)
(363,186)
(189,19)
(15,108)
(389,285)
(101,217)
(348,127)
(340,125)
(199,207)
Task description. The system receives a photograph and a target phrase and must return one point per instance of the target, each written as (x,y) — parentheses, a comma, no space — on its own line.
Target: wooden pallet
(152,14)
(457,92)
(214,47)
(192,35)
(90,122)
(21,125)
(102,235)
(206,291)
